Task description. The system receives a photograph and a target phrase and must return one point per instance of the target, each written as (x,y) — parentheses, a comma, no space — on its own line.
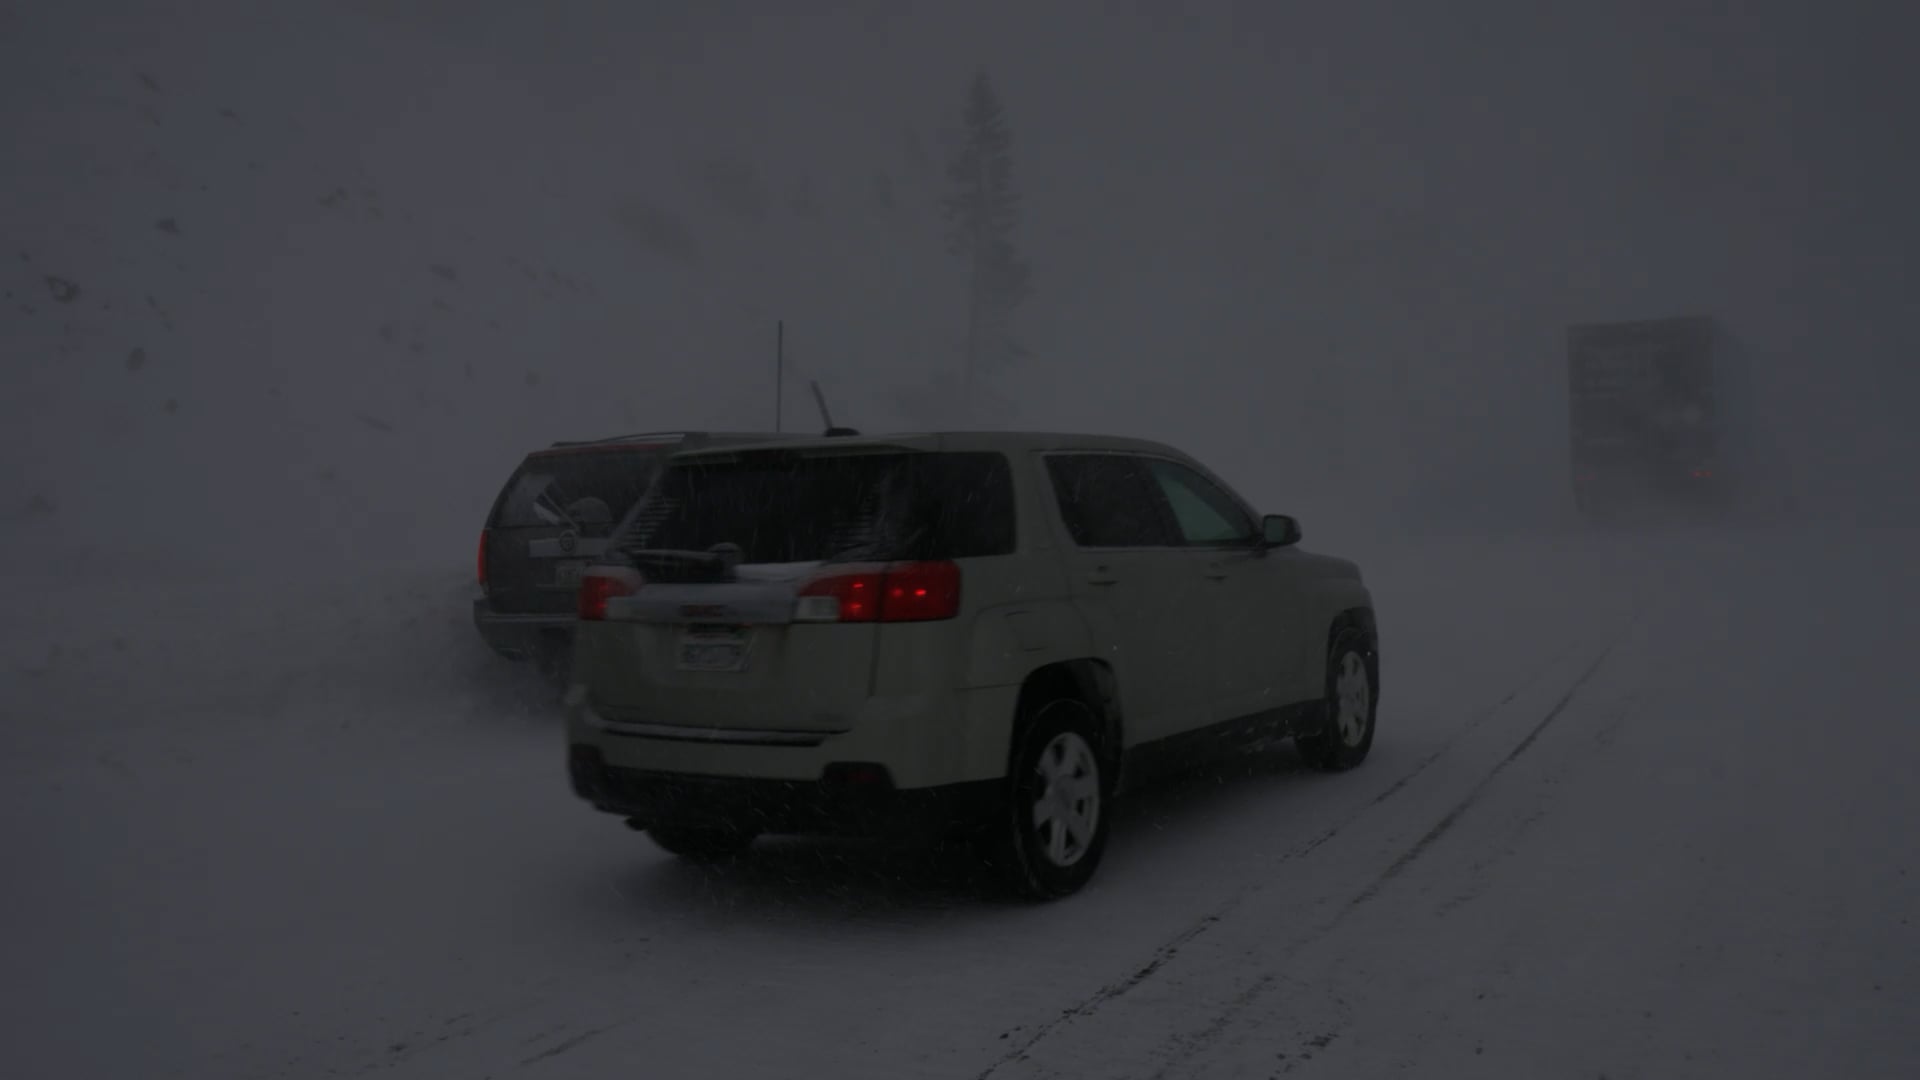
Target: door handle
(1100,575)
(1215,572)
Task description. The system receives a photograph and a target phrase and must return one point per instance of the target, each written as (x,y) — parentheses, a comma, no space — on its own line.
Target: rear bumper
(921,741)
(516,636)
(849,798)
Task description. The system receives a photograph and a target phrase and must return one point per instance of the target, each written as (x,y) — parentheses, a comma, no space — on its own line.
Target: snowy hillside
(338,265)
(277,269)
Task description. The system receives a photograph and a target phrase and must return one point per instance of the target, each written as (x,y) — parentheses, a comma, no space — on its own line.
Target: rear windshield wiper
(546,501)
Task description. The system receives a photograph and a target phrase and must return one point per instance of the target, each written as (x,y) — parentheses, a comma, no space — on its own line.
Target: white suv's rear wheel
(1055,825)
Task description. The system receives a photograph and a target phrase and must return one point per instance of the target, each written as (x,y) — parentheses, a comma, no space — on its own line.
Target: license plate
(714,651)
(567,574)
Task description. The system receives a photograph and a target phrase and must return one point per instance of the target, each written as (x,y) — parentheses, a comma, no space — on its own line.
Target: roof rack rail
(637,437)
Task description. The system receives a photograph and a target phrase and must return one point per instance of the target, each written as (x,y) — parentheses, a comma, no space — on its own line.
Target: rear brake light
(893,592)
(852,596)
(920,592)
(482,560)
(602,584)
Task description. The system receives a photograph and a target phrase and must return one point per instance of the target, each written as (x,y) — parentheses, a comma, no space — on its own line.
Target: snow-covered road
(1637,809)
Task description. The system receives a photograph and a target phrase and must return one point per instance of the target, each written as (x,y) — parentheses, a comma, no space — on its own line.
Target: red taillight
(1703,474)
(921,592)
(849,596)
(604,583)
(482,567)
(896,592)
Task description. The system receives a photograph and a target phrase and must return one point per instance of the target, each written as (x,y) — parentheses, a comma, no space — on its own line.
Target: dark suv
(550,520)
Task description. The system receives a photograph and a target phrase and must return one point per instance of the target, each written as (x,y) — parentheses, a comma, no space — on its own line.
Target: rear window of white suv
(786,507)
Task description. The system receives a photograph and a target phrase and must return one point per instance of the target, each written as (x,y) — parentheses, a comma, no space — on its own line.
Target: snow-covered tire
(1352,704)
(1053,826)
(703,844)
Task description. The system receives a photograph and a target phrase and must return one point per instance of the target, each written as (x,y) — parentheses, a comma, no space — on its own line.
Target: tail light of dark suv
(601,584)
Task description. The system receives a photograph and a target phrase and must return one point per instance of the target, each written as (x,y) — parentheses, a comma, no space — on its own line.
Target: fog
(286,291)
(1332,250)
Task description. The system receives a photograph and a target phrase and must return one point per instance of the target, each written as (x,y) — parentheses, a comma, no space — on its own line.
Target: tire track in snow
(515,1011)
(1099,998)
(567,1044)
(1168,950)
(1181,1048)
(1603,736)
(1446,822)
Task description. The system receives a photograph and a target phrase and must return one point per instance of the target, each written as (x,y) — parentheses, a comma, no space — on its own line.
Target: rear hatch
(754,586)
(554,516)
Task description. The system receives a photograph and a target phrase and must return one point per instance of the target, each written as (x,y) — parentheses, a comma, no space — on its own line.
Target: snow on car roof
(945,440)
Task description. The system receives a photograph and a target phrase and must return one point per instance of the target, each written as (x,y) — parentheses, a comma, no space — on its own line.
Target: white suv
(978,633)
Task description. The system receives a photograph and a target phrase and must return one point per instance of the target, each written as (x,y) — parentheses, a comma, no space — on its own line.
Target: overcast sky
(409,240)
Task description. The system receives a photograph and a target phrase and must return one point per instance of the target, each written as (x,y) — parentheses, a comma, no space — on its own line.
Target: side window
(1205,514)
(1107,501)
(962,506)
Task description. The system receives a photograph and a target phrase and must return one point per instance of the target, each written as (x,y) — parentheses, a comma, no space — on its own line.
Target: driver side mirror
(1279,530)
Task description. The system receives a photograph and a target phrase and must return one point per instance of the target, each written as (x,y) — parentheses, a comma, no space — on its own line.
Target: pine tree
(981,213)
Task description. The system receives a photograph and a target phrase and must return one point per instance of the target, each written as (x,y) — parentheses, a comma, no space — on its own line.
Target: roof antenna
(826,418)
